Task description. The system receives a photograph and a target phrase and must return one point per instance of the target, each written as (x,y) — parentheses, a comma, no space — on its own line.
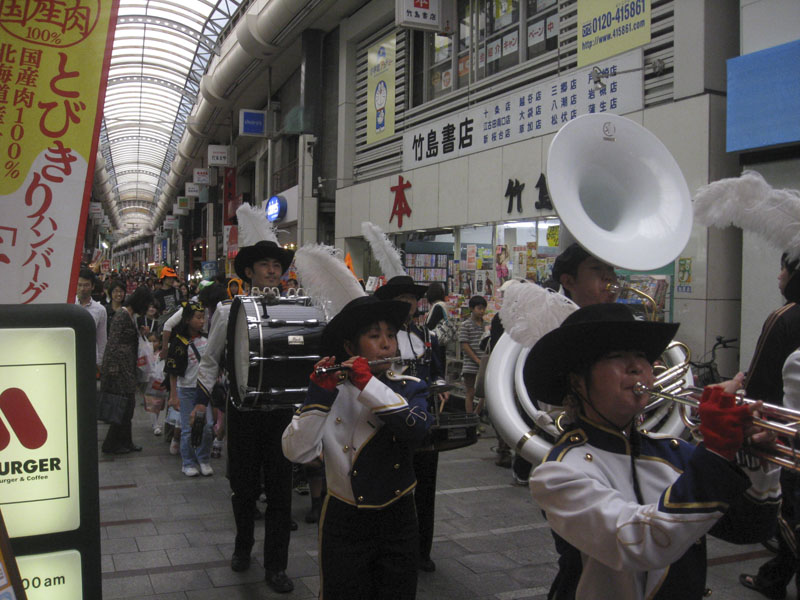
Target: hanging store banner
(427,15)
(53,68)
(219,156)
(380,90)
(529,112)
(609,27)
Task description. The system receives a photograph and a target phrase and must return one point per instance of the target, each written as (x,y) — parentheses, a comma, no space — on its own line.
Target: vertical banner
(610,27)
(54,61)
(380,90)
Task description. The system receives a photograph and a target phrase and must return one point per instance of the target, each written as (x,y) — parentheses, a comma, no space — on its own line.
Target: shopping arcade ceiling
(161,50)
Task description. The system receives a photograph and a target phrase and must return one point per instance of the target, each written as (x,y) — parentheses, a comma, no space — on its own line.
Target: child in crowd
(469,335)
(156,391)
(187,346)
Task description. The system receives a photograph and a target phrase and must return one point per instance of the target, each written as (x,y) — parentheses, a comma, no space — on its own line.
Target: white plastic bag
(157,386)
(145,360)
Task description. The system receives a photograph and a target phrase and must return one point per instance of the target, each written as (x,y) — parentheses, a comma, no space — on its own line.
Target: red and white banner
(55,57)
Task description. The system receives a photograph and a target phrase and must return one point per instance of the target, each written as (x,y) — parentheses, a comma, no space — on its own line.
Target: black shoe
(240,562)
(293,526)
(752,582)
(134,448)
(427,565)
(279,581)
(120,450)
(312,516)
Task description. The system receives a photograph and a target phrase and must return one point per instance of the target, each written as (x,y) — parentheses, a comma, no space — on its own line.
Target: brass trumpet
(786,424)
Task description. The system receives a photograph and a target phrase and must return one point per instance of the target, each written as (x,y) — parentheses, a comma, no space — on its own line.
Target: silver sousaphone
(621,195)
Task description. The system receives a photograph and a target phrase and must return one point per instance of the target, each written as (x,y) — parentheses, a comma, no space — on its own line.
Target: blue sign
(276,208)
(209,269)
(252,122)
(764,98)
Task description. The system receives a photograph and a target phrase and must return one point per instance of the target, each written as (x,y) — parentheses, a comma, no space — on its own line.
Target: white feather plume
(530,311)
(751,203)
(326,278)
(254,226)
(384,251)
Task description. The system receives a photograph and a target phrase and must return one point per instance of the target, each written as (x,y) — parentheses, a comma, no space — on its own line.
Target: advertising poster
(609,27)
(380,90)
(54,61)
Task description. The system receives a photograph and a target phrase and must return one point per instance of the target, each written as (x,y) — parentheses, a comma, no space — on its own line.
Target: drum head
(239,345)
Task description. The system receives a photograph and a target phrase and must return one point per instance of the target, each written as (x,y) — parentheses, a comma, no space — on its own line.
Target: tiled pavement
(165,536)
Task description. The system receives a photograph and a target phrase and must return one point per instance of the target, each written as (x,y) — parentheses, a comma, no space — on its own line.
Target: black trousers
(119,436)
(425,464)
(254,449)
(776,574)
(368,554)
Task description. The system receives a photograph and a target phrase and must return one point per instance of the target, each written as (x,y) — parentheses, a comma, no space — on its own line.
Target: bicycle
(706,372)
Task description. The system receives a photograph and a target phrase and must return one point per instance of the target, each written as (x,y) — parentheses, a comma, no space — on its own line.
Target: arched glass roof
(161,50)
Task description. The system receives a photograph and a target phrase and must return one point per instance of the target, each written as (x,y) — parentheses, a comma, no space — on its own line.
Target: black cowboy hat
(356,314)
(400,284)
(586,335)
(248,255)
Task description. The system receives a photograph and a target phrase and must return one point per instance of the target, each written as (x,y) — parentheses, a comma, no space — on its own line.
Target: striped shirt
(471,333)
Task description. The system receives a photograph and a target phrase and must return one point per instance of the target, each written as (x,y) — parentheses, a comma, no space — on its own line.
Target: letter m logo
(23,419)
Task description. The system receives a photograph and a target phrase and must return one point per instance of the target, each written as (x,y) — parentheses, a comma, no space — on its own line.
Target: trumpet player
(365,422)
(636,507)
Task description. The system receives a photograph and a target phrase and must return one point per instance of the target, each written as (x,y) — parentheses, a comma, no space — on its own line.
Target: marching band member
(418,345)
(253,436)
(636,506)
(365,425)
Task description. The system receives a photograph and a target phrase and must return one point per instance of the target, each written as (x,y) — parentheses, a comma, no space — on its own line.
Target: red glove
(327,381)
(360,373)
(722,422)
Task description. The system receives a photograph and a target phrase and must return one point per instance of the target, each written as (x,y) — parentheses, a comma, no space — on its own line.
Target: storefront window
(541,27)
(489,39)
(440,75)
(501,50)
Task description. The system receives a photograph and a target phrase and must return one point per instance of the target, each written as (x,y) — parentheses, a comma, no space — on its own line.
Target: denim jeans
(202,454)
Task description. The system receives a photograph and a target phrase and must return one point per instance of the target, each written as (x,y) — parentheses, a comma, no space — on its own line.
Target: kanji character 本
(401,207)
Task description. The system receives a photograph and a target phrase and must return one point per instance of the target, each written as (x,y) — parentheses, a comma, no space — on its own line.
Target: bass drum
(273,345)
(506,391)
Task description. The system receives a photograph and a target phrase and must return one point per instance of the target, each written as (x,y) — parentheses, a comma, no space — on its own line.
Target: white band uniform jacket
(629,550)
(367,437)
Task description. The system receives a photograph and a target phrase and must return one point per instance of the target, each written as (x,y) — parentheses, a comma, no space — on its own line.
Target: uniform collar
(606,438)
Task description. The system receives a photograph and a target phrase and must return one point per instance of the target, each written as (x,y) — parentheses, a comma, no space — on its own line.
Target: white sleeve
(587,510)
(170,323)
(210,363)
(791,381)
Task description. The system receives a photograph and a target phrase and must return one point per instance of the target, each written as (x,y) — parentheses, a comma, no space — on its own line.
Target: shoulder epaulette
(570,439)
